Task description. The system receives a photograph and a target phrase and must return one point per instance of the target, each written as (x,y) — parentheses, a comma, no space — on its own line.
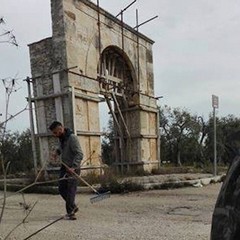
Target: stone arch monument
(91,57)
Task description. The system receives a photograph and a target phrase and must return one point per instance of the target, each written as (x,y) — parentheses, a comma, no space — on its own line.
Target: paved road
(182,214)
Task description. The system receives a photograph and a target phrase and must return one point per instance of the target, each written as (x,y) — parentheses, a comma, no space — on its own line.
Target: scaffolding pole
(32,128)
(99,38)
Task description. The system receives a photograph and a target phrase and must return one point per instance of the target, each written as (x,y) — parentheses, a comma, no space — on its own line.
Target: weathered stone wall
(82,42)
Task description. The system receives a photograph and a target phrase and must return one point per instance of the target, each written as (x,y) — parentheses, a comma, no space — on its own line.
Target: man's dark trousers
(67,189)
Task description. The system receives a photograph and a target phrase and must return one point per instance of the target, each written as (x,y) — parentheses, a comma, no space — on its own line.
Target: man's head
(57,129)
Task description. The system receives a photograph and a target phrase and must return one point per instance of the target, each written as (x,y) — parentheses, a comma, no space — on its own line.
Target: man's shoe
(70,216)
(75,210)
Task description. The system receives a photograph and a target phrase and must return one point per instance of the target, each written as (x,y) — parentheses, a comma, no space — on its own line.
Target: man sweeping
(71,155)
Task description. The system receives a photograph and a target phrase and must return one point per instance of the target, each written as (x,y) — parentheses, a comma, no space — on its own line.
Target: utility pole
(215,105)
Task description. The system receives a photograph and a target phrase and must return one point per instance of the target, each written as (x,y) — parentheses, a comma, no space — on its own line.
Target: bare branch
(34,184)
(2,20)
(41,229)
(22,222)
(5,33)
(5,188)
(11,117)
(8,34)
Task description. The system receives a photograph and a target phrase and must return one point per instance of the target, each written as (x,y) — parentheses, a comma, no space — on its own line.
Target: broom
(99,196)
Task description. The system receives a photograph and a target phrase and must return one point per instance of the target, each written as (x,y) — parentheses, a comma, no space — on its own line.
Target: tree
(15,149)
(228,138)
(108,143)
(180,133)
(202,139)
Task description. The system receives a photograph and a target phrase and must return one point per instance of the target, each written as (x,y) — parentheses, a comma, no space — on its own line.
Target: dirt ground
(183,214)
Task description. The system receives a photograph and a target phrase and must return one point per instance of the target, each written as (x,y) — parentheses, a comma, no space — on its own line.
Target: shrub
(111,182)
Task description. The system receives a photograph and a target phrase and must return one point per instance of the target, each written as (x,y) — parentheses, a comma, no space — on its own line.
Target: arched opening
(117,74)
(117,81)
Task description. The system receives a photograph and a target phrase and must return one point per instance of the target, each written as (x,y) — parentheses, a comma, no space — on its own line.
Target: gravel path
(183,214)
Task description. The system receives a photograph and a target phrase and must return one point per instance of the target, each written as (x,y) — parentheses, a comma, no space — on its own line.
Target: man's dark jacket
(70,149)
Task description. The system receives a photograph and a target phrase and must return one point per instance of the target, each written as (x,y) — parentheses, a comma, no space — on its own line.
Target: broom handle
(79,177)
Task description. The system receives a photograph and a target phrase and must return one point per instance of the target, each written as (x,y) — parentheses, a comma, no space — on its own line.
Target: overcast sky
(196,50)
